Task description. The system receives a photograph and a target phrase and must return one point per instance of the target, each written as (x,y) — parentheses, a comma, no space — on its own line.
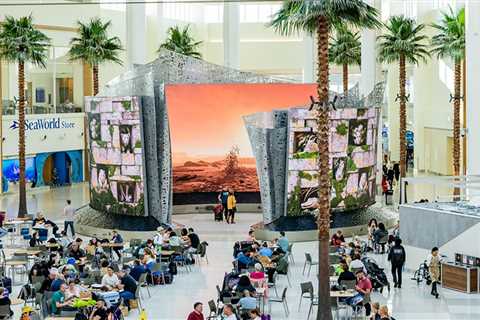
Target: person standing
(69,212)
(397,257)
(223,198)
(197,313)
(433,263)
(231,206)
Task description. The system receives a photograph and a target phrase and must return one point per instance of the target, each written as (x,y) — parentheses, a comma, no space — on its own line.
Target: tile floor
(174,302)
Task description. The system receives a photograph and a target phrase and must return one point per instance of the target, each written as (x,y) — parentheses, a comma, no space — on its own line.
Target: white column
(309,59)
(136,34)
(393,88)
(473,79)
(231,35)
(54,87)
(369,62)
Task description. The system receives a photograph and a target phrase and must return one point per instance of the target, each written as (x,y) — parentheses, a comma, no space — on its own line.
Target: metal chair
(282,300)
(213,310)
(5,312)
(160,269)
(307,292)
(142,282)
(334,259)
(138,297)
(348,284)
(285,274)
(290,253)
(314,302)
(273,284)
(332,249)
(309,262)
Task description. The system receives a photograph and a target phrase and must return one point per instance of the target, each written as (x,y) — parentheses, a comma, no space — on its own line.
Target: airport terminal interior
(240,159)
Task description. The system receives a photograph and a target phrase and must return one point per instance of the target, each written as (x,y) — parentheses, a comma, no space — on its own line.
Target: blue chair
(42,235)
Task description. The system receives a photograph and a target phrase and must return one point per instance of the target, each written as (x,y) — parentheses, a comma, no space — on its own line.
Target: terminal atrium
(191,159)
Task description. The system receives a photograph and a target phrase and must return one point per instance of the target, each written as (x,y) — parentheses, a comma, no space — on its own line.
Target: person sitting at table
(384,314)
(194,238)
(374,314)
(76,252)
(346,274)
(158,237)
(54,246)
(337,239)
(100,311)
(251,236)
(104,266)
(117,239)
(5,300)
(110,279)
(258,274)
(283,242)
(228,313)
(73,290)
(255,314)
(166,235)
(59,303)
(41,221)
(151,246)
(64,240)
(57,283)
(47,283)
(244,260)
(93,247)
(265,250)
(137,270)
(33,242)
(174,240)
(128,285)
(243,284)
(247,302)
(184,237)
(363,287)
(357,264)
(149,258)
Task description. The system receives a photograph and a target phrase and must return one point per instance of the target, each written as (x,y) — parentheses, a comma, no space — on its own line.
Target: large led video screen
(210,145)
(116,156)
(353,143)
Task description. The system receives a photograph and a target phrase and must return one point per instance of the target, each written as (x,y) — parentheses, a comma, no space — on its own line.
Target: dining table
(342,294)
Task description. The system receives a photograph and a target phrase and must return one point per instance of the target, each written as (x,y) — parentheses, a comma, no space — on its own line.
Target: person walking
(222,198)
(397,257)
(231,206)
(433,263)
(197,313)
(69,212)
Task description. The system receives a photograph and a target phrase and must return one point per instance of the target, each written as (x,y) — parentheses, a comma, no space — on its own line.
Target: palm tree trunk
(22,203)
(456,122)
(403,118)
(324,309)
(345,79)
(95,79)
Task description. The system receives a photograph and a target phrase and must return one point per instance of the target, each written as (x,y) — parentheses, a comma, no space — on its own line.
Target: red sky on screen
(206,119)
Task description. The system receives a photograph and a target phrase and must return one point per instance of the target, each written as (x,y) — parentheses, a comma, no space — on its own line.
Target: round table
(16,301)
(16,263)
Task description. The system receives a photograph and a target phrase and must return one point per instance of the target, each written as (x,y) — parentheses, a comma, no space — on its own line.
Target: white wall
(45,140)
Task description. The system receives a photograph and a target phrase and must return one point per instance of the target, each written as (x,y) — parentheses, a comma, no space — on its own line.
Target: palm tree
(317,17)
(403,42)
(21,42)
(93,46)
(450,43)
(181,41)
(345,49)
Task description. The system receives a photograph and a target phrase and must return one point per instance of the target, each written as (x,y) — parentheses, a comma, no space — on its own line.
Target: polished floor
(175,301)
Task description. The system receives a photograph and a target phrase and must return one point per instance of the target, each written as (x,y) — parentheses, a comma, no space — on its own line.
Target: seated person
(258,274)
(57,283)
(104,266)
(76,252)
(283,242)
(228,313)
(47,283)
(244,284)
(73,290)
(5,300)
(158,237)
(346,274)
(128,285)
(265,250)
(100,311)
(194,239)
(375,308)
(64,239)
(33,242)
(337,239)
(245,260)
(59,303)
(357,264)
(166,235)
(184,237)
(110,279)
(148,258)
(247,302)
(174,240)
(137,270)
(363,287)
(117,239)
(383,313)
(251,236)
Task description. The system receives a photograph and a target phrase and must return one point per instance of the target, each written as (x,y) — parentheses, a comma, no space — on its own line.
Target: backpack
(266,317)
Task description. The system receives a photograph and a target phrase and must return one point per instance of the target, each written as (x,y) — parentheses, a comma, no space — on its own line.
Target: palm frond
(403,37)
(93,45)
(345,47)
(20,41)
(181,41)
(449,42)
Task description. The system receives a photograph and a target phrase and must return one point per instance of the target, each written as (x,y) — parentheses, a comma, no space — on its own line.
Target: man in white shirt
(356,263)
(110,279)
(69,212)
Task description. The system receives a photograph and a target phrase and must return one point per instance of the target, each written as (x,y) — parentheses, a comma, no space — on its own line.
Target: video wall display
(210,145)
(353,143)
(116,155)
(11,169)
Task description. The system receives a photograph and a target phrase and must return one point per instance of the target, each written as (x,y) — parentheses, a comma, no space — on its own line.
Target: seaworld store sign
(44,124)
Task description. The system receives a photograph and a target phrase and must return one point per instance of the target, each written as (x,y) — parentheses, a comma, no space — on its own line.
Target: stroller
(422,273)
(376,274)
(218,212)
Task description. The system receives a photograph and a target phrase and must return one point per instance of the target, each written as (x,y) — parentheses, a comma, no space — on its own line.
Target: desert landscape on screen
(210,144)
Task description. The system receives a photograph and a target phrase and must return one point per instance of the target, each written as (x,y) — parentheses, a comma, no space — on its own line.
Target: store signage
(44,124)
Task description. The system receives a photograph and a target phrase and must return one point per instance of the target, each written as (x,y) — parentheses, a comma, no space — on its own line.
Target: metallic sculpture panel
(116,155)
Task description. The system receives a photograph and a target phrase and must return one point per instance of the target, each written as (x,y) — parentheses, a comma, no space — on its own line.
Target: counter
(460,277)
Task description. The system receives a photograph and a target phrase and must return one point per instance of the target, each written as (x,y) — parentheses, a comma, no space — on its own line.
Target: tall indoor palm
(345,50)
(317,17)
(403,42)
(93,46)
(449,42)
(21,43)
(181,41)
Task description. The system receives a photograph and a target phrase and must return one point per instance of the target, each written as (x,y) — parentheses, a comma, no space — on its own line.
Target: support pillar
(309,59)
(231,35)
(472,41)
(393,88)
(136,34)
